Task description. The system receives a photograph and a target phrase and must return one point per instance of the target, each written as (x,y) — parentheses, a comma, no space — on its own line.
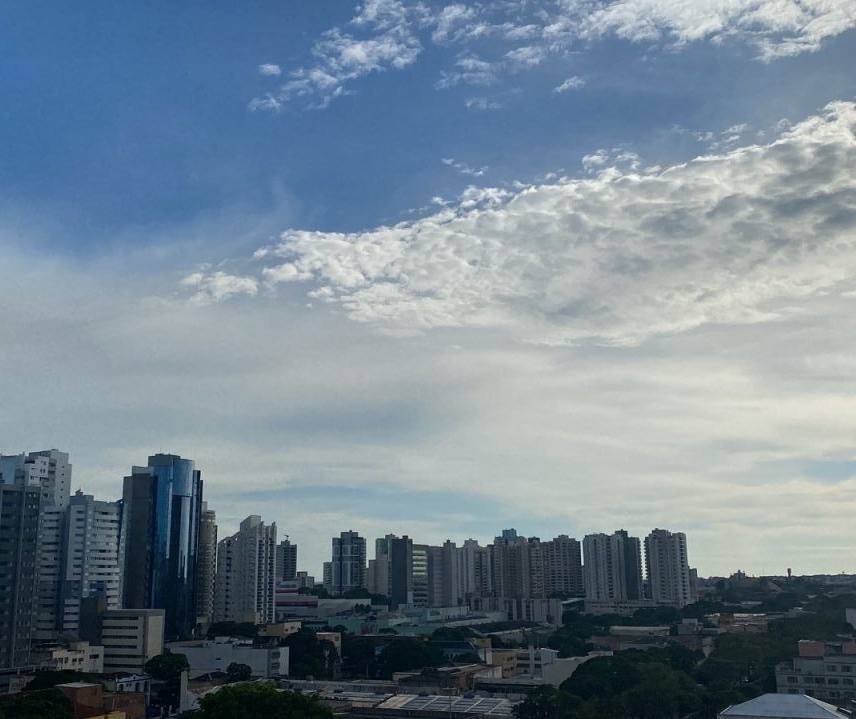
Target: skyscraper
(206,565)
(613,566)
(286,560)
(667,568)
(48,468)
(563,567)
(348,563)
(246,574)
(161,515)
(90,557)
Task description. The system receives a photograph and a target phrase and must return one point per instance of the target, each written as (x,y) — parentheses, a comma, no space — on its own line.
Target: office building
(348,563)
(19,525)
(162,505)
(246,574)
(286,560)
(613,566)
(90,558)
(667,568)
(826,670)
(130,638)
(206,565)
(419,574)
(49,566)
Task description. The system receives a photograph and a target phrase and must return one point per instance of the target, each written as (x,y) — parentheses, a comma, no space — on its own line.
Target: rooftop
(784,706)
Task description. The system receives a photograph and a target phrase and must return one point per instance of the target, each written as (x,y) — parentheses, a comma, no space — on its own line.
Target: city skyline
(441,268)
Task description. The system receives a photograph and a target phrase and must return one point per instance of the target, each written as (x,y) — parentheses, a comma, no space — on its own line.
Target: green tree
(44,704)
(239,672)
(406,654)
(548,703)
(254,701)
(310,657)
(167,666)
(46,678)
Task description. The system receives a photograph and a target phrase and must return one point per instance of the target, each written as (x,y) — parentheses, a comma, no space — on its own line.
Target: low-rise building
(824,670)
(215,656)
(783,706)
(130,638)
(76,656)
(92,701)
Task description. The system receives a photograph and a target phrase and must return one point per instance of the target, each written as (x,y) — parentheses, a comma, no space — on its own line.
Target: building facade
(206,565)
(348,563)
(244,589)
(667,568)
(286,561)
(162,505)
(613,566)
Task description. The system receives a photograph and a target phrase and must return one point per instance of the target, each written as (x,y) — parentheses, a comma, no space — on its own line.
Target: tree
(167,666)
(309,657)
(407,653)
(46,678)
(252,701)
(548,703)
(239,672)
(44,704)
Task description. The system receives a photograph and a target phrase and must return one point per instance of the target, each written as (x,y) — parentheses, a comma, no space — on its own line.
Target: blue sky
(565,266)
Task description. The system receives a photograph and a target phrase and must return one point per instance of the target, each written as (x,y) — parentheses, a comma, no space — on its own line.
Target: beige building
(130,638)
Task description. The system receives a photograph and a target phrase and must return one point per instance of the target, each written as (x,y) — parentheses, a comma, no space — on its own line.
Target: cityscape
(111,601)
(428,359)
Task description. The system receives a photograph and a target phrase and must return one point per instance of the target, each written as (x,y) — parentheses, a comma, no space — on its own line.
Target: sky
(443,268)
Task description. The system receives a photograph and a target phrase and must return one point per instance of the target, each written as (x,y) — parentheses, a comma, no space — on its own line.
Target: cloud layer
(487,40)
(628,253)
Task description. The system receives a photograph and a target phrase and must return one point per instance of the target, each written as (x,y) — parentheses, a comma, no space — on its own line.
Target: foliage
(317,591)
(46,678)
(233,629)
(167,666)
(310,657)
(239,672)
(44,704)
(452,634)
(406,654)
(251,701)
(548,703)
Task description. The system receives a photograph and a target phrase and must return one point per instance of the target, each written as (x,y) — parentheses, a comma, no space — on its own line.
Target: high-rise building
(419,572)
(90,557)
(49,469)
(613,566)
(400,554)
(49,567)
(286,560)
(451,595)
(246,574)
(518,567)
(206,565)
(162,504)
(563,567)
(348,563)
(19,527)
(667,568)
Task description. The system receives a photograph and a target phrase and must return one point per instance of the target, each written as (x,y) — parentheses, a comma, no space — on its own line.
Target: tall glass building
(162,505)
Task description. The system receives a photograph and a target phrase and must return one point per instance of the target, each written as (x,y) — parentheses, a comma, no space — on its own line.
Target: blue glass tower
(162,505)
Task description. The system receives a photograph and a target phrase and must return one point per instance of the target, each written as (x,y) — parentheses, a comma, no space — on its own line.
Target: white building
(90,563)
(77,656)
(217,655)
(613,566)
(667,568)
(246,574)
(131,637)
(49,469)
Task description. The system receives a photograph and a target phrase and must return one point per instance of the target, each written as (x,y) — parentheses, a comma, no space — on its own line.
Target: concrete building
(783,706)
(216,656)
(48,469)
(19,525)
(348,563)
(90,558)
(246,574)
(613,566)
(162,503)
(667,568)
(206,565)
(130,638)
(419,573)
(563,567)
(286,560)
(49,566)
(77,656)
(825,670)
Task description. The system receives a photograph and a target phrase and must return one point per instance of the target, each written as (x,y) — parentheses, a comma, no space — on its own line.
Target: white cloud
(343,56)
(464,168)
(572,83)
(270,70)
(617,258)
(218,286)
(482,104)
(389,35)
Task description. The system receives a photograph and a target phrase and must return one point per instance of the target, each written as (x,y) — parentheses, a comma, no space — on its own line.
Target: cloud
(270,70)
(493,38)
(463,168)
(572,83)
(617,258)
(218,286)
(380,37)
(482,104)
